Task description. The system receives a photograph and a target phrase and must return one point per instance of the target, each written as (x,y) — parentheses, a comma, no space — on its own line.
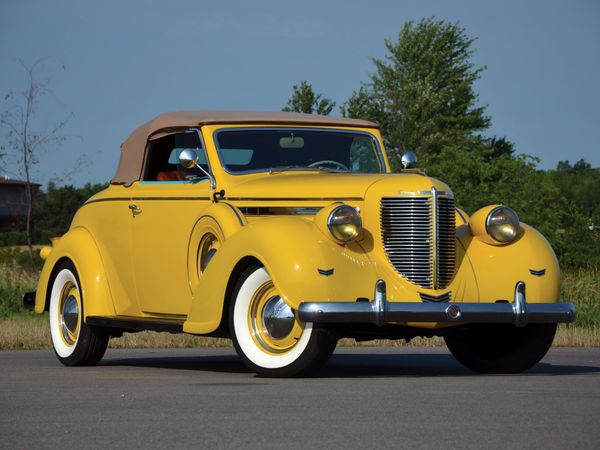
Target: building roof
(133,149)
(9,181)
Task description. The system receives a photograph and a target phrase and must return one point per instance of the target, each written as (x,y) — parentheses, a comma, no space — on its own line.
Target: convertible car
(286,232)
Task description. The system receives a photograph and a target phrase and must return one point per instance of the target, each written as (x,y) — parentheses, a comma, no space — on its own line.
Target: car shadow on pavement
(348,365)
(213,363)
(417,364)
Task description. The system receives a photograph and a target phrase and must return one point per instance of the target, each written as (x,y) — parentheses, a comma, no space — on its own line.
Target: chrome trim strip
(280,210)
(380,311)
(216,133)
(461,215)
(325,272)
(295,199)
(537,273)
(128,199)
(235,211)
(416,193)
(427,298)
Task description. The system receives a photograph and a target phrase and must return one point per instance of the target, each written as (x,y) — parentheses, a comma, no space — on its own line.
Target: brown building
(13,204)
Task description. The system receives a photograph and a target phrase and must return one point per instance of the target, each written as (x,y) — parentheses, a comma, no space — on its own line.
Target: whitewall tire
(74,342)
(267,333)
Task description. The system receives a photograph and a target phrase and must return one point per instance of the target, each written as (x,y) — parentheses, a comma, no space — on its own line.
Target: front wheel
(267,334)
(500,348)
(74,342)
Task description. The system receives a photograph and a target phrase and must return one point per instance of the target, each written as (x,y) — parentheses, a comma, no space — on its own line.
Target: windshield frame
(378,151)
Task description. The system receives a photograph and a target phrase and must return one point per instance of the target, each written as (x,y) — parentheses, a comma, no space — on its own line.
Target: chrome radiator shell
(418,237)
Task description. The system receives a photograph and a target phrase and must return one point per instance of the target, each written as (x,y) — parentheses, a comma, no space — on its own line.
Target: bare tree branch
(23,142)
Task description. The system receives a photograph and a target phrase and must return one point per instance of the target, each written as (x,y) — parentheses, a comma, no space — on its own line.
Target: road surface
(363,398)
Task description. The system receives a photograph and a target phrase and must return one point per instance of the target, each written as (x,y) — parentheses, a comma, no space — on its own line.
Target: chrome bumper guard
(379,311)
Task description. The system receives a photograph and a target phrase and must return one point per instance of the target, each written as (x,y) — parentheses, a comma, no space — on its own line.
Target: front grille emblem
(445,297)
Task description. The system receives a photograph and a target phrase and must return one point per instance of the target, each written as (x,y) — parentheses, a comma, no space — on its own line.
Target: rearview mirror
(291,142)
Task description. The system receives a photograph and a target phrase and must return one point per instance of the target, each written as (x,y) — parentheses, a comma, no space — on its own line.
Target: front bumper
(379,311)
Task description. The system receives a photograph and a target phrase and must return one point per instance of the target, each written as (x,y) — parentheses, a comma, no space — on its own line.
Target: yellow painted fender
(78,246)
(222,220)
(292,249)
(498,268)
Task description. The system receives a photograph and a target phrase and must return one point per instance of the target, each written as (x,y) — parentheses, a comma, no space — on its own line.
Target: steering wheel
(335,164)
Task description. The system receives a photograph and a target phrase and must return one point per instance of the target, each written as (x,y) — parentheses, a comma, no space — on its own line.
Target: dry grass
(27,332)
(150,339)
(24,332)
(570,336)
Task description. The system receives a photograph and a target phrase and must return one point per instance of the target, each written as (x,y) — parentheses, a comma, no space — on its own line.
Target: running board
(128,323)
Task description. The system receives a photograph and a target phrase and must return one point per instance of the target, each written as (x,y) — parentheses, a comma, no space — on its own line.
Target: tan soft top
(133,149)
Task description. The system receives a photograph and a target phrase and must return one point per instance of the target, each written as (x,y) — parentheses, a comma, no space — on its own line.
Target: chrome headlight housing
(344,223)
(502,224)
(495,225)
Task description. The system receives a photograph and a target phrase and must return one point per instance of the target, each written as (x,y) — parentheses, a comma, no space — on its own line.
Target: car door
(165,206)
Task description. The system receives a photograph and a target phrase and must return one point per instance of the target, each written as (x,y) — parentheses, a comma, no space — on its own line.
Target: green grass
(582,288)
(24,329)
(15,280)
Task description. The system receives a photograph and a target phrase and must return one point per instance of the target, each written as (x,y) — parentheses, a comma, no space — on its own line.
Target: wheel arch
(292,250)
(78,247)
(234,276)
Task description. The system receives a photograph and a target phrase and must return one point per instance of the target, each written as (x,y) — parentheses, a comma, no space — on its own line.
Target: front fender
(498,268)
(293,250)
(78,246)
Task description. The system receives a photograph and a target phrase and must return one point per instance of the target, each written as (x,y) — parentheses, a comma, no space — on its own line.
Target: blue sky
(129,61)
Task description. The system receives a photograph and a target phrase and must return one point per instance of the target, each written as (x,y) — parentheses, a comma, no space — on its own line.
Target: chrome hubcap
(69,318)
(278,318)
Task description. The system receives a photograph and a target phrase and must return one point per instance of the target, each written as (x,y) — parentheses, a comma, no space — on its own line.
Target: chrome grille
(446,242)
(420,250)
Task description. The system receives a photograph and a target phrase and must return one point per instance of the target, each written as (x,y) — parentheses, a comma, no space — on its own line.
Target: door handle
(134,210)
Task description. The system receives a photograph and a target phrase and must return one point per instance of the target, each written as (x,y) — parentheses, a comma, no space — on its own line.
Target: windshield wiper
(280,169)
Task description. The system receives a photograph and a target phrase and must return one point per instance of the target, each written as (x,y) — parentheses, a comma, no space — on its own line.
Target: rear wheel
(501,348)
(74,342)
(267,334)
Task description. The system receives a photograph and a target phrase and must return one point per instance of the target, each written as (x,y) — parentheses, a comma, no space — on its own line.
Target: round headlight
(502,224)
(344,223)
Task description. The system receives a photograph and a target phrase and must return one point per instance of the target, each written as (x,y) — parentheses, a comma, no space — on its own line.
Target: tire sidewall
(66,274)
(468,347)
(260,360)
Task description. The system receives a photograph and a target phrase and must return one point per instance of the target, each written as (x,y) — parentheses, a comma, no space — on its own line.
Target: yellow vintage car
(286,232)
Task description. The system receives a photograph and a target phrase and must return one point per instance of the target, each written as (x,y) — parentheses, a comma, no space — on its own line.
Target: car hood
(329,186)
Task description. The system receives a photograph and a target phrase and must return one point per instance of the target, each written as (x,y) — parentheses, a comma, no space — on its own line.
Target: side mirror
(409,160)
(188,158)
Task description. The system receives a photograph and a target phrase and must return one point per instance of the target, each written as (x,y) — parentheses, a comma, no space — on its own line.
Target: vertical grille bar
(446,241)
(418,238)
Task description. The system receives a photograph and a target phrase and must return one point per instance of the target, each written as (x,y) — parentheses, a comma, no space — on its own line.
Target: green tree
(422,92)
(304,100)
(54,209)
(580,230)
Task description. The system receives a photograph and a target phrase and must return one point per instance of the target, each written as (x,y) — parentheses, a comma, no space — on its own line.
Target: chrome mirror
(409,160)
(188,158)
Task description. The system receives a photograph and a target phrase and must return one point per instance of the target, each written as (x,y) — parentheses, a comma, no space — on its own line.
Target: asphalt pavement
(364,398)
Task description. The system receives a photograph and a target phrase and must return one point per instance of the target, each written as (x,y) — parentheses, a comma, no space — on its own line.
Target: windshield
(279,150)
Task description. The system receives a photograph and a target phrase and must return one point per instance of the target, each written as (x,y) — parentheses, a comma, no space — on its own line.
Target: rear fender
(78,246)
